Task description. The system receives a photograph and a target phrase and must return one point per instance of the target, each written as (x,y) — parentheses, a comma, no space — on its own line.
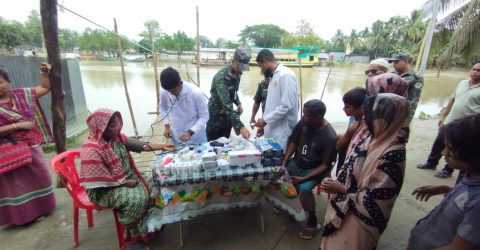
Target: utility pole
(198,47)
(122,66)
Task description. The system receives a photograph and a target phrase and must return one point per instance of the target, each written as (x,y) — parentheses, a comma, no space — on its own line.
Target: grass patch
(70,143)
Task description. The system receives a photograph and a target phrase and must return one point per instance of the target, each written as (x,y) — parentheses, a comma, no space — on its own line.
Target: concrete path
(235,229)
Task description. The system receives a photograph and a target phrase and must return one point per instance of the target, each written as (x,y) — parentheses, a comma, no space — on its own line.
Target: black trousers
(437,149)
(214,133)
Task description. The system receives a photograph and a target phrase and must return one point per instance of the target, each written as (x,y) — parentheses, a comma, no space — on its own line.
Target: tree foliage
(303,36)
(33,29)
(151,26)
(263,35)
(383,38)
(15,34)
(205,42)
(12,34)
(228,44)
(68,39)
(96,41)
(178,41)
(338,42)
(465,25)
(455,40)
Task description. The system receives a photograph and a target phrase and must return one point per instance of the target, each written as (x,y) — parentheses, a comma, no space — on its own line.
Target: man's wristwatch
(190,132)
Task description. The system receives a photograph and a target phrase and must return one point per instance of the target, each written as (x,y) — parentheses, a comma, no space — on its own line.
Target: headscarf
(374,167)
(387,83)
(388,115)
(100,166)
(25,107)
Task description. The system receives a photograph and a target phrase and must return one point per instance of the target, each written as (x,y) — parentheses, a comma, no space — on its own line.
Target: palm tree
(415,27)
(465,24)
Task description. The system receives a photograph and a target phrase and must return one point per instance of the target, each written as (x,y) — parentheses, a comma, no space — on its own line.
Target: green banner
(305,51)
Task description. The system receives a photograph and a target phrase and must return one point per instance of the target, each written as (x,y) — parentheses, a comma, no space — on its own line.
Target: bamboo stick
(127,95)
(155,69)
(301,84)
(198,46)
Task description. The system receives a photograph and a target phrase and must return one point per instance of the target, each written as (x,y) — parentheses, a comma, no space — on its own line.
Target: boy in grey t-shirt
(455,222)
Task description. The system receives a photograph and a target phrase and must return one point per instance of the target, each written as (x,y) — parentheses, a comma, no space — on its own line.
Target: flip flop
(307,233)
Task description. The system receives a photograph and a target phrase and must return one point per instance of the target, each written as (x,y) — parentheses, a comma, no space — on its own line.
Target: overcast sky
(222,18)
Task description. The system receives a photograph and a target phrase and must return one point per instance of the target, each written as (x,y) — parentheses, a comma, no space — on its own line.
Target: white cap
(380,61)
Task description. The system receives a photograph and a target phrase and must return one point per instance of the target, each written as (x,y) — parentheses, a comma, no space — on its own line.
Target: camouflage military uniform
(261,94)
(222,114)
(415,86)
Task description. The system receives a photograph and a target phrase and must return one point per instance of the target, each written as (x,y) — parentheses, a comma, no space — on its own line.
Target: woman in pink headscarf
(109,173)
(387,83)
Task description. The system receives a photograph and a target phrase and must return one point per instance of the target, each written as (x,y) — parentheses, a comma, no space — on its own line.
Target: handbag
(14,154)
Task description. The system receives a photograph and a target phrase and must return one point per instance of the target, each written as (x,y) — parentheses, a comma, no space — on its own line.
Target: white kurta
(281,108)
(188,110)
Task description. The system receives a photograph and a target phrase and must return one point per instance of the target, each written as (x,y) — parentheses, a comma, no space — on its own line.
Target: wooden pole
(301,84)
(326,82)
(155,69)
(120,54)
(198,47)
(48,11)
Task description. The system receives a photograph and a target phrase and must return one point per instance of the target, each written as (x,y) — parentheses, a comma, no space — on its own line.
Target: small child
(455,222)
(352,106)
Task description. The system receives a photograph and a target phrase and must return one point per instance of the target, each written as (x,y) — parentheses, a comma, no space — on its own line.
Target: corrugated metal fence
(25,72)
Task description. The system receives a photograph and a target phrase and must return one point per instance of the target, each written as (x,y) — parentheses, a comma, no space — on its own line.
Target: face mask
(268,73)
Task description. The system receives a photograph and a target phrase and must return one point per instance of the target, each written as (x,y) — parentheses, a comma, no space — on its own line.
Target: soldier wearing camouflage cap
(223,97)
(401,64)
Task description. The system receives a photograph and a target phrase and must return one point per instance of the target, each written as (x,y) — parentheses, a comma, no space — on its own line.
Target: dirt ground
(234,229)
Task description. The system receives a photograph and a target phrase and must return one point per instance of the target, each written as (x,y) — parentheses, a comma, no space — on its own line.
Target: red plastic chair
(64,165)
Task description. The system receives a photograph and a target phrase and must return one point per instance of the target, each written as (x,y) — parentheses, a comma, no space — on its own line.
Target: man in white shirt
(464,102)
(183,108)
(281,109)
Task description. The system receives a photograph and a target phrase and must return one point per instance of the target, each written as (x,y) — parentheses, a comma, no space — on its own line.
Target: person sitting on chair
(313,141)
(108,171)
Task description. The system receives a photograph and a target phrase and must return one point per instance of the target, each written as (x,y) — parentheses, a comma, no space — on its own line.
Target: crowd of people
(362,169)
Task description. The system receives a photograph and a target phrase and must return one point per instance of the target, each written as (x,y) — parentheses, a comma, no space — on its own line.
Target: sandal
(307,233)
(276,210)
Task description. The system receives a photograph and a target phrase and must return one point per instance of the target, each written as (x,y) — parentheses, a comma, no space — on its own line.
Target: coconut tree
(465,24)
(415,27)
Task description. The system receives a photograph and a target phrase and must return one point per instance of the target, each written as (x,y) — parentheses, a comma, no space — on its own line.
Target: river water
(103,87)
